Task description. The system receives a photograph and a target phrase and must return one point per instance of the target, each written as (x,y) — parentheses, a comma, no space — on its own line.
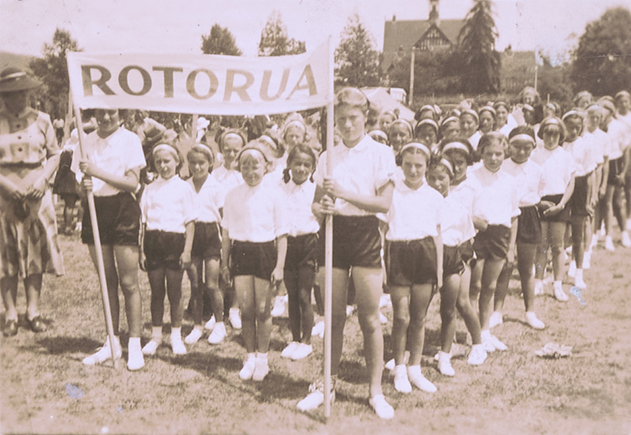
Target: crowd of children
(447,204)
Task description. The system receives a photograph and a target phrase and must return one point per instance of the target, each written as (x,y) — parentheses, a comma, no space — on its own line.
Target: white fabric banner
(202,84)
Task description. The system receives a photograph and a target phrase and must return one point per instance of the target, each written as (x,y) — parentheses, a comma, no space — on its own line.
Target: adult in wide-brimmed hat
(29,156)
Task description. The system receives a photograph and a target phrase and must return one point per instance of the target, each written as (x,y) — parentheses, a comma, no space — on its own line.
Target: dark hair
(522,129)
(299,149)
(437,160)
(469,154)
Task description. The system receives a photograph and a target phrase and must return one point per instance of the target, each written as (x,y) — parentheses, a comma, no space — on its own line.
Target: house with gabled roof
(400,36)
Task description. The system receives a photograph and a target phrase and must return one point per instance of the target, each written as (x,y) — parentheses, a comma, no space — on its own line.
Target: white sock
(579,274)
(176,332)
(485,333)
(134,341)
(156,333)
(251,356)
(261,356)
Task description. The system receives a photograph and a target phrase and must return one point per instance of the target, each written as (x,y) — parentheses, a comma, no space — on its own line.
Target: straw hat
(14,79)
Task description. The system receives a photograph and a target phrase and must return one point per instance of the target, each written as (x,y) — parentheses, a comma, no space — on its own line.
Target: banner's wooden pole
(328,259)
(100,267)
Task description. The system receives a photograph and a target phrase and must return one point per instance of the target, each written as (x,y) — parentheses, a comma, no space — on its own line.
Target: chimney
(433,13)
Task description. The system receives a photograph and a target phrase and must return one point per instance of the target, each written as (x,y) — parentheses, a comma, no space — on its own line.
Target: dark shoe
(10,328)
(36,324)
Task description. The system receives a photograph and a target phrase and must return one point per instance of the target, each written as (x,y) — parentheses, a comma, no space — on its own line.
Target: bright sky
(176,26)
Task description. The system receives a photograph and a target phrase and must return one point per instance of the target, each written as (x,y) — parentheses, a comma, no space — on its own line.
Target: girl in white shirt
(399,134)
(426,132)
(599,144)
(230,144)
(558,186)
(504,120)
(530,178)
(487,119)
(469,122)
(495,204)
(168,225)
(456,229)
(582,200)
(206,249)
(414,260)
(302,243)
(254,245)
(359,187)
(113,160)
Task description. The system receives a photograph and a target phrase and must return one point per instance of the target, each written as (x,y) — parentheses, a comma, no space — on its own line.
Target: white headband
(417,145)
(522,136)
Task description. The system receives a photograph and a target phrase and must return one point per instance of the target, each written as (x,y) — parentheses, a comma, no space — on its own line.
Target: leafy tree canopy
(220,41)
(275,40)
(356,60)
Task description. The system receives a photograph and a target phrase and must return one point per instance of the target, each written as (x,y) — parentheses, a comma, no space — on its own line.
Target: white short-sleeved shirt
(255,214)
(474,139)
(495,196)
(583,157)
(207,200)
(597,143)
(298,200)
(530,180)
(626,137)
(616,130)
(228,179)
(558,169)
(414,213)
(116,154)
(511,123)
(277,173)
(456,224)
(168,205)
(363,169)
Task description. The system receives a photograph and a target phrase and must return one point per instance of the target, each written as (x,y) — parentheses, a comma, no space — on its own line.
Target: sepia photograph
(315,217)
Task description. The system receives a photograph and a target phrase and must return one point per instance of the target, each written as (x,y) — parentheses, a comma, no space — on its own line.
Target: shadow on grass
(66,345)
(275,389)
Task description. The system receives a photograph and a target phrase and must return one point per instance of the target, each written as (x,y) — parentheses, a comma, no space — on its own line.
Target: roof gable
(405,34)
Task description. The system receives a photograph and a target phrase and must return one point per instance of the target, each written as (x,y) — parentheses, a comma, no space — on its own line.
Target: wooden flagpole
(328,259)
(100,267)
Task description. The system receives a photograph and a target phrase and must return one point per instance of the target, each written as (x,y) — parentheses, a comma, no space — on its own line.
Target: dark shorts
(453,263)
(70,199)
(301,252)
(163,249)
(118,217)
(615,169)
(356,242)
(257,259)
(578,202)
(207,241)
(529,226)
(411,262)
(562,216)
(492,244)
(467,253)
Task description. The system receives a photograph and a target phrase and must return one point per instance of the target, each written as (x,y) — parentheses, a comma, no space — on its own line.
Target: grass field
(513,392)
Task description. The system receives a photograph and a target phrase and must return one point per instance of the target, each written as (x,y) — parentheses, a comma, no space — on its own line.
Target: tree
(433,73)
(356,60)
(220,41)
(52,70)
(602,61)
(480,62)
(555,81)
(275,41)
